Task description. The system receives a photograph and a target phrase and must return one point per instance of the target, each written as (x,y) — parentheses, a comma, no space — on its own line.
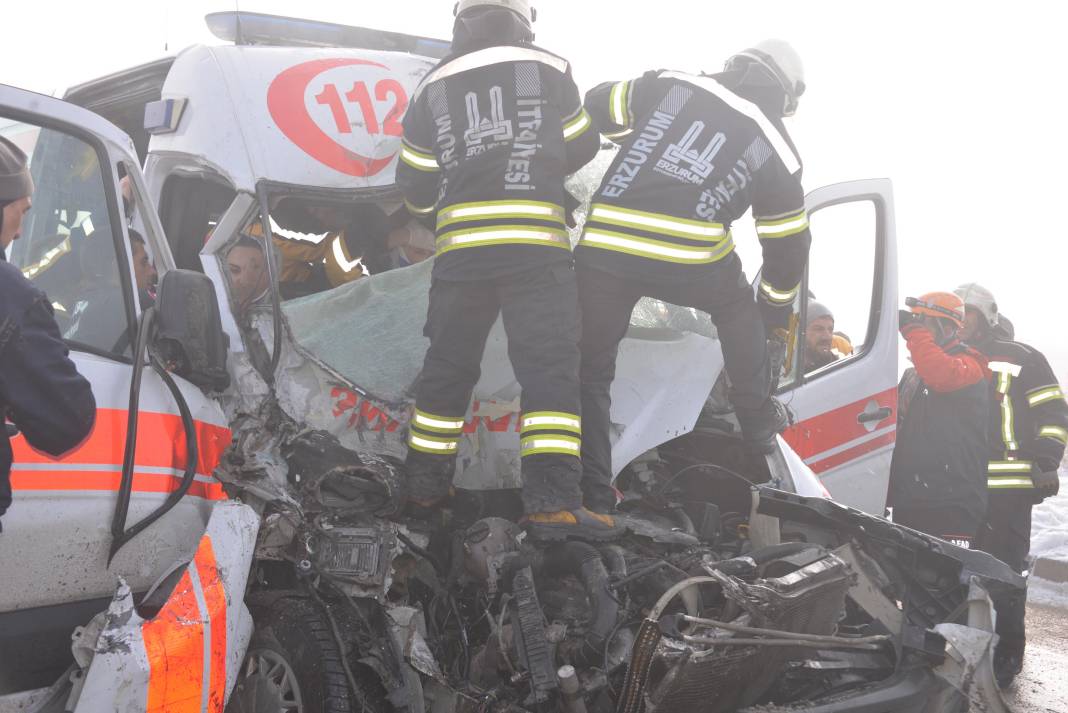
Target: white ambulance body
(233,133)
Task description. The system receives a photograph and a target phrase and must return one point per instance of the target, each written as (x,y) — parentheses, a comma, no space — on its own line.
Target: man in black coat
(42,395)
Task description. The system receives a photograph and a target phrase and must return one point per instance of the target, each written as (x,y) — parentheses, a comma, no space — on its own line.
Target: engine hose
(615,559)
(584,561)
(737,566)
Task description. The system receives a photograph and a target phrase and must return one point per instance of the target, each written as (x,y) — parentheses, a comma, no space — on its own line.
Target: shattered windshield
(370,330)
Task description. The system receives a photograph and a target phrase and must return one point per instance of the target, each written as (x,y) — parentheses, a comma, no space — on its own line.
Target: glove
(907,321)
(1047,483)
(571,204)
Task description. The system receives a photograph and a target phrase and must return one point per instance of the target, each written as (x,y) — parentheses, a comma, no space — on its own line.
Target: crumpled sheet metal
(969,664)
(113,651)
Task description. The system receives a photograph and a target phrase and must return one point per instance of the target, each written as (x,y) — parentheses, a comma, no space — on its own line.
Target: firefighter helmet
(778,61)
(940,305)
(982,299)
(521,8)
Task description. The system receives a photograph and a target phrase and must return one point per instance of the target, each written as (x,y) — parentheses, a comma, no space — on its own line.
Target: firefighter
(695,153)
(938,470)
(491,134)
(1029,430)
(42,394)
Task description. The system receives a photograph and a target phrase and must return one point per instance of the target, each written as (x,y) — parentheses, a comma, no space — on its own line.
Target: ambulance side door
(844,403)
(76,246)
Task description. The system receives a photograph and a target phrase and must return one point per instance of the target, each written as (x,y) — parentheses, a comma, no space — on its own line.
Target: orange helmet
(941,305)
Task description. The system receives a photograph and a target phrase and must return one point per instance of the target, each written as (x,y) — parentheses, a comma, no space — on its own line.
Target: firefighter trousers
(1007,536)
(539,309)
(607,301)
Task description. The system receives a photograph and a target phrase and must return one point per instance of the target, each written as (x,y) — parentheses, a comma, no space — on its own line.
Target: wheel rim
(267,685)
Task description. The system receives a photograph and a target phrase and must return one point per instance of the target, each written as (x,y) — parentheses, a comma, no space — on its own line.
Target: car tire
(292,665)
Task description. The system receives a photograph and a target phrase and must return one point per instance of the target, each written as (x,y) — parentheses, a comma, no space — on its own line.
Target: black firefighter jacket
(1029,416)
(488,140)
(694,156)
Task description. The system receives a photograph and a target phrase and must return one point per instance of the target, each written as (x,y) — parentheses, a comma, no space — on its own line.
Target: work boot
(760,426)
(581,524)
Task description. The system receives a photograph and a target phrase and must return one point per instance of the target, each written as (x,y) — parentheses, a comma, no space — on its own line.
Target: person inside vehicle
(145,275)
(98,317)
(409,244)
(938,470)
(819,337)
(1029,432)
(46,400)
(499,204)
(842,345)
(246,265)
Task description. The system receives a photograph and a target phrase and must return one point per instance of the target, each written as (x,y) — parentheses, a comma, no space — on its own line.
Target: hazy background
(960,103)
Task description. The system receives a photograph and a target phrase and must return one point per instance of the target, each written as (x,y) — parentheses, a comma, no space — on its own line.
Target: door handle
(875,416)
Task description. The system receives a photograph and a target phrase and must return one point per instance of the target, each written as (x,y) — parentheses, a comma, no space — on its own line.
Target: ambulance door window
(841,287)
(72,240)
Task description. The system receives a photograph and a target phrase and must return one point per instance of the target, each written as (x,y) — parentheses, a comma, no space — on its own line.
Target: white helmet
(982,299)
(782,62)
(519,7)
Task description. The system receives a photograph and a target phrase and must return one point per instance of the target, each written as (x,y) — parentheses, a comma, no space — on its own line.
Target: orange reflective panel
(174,642)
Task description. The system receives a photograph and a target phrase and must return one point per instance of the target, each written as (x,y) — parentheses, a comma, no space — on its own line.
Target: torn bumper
(187,656)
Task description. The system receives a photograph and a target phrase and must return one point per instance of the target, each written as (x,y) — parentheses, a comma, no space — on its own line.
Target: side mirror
(189,338)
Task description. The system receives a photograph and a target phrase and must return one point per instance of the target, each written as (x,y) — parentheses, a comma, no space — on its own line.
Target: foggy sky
(959,103)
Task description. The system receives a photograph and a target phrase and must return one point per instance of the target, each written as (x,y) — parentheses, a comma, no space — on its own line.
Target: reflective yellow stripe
(493,210)
(782,227)
(1005,372)
(505,235)
(427,444)
(1055,432)
(777,296)
(616,136)
(1004,367)
(577,126)
(420,161)
(341,256)
(1040,396)
(1008,418)
(656,249)
(1009,466)
(1005,483)
(441,424)
(657,222)
(565,445)
(617,105)
(551,420)
(416,210)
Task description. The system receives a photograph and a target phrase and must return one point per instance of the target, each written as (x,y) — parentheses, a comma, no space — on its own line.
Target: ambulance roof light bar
(253,28)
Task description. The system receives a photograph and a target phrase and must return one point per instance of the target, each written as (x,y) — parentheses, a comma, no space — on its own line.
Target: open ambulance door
(78,247)
(845,409)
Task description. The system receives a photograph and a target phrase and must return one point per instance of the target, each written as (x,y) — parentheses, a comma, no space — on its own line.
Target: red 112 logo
(288,107)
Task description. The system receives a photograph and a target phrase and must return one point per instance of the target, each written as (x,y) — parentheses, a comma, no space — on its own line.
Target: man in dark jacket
(490,136)
(696,152)
(938,471)
(41,392)
(1028,434)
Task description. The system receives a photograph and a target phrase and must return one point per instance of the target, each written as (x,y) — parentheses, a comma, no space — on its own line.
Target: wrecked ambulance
(229,537)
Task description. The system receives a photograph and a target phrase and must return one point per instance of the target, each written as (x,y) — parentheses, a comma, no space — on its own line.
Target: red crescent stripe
(853,453)
(831,429)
